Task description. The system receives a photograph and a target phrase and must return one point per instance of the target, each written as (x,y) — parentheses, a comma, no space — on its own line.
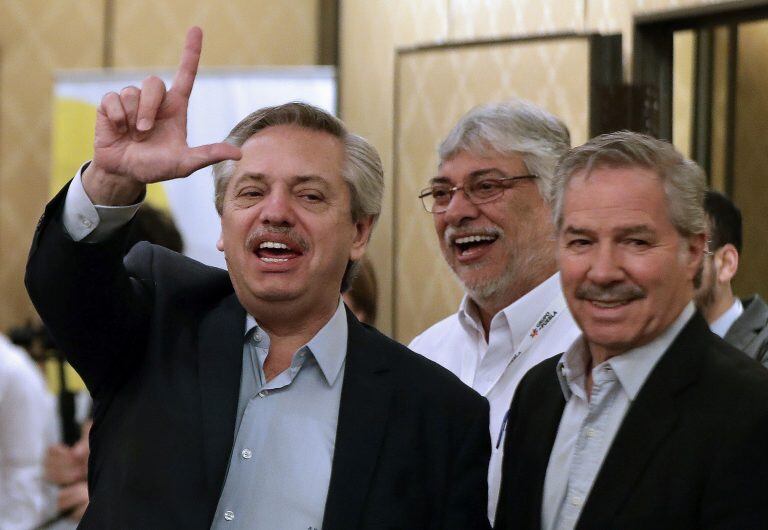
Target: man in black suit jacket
(648,420)
(159,339)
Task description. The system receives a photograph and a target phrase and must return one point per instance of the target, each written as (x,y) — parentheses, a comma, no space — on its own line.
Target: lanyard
(534,335)
(554,310)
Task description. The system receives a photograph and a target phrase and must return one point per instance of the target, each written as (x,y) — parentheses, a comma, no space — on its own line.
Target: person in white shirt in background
(27,427)
(742,323)
(492,217)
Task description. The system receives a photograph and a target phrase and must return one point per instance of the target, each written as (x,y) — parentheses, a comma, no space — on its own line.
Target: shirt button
(246,453)
(229,515)
(87,222)
(263,393)
(577,501)
(591,433)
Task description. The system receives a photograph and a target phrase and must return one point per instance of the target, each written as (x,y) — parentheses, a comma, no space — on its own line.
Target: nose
(277,208)
(605,267)
(460,209)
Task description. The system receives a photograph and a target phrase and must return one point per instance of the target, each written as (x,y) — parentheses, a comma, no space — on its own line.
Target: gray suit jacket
(750,331)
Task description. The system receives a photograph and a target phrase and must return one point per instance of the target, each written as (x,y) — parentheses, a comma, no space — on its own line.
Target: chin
(277,295)
(610,340)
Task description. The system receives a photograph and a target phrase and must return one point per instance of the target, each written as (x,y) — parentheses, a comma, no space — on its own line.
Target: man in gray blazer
(743,323)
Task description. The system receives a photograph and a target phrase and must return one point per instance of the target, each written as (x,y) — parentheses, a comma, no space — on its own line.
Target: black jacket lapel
(529,439)
(365,404)
(220,364)
(650,419)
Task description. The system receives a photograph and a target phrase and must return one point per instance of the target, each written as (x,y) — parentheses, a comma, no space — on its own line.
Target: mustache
(610,293)
(263,232)
(452,231)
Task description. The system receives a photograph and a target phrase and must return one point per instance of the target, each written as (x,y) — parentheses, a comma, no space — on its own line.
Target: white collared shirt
(588,426)
(724,322)
(522,331)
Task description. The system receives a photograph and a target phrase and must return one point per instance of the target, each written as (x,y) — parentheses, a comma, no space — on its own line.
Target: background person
(743,323)
(488,203)
(27,426)
(362,295)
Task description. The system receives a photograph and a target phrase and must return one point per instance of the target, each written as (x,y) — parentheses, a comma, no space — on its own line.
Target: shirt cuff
(91,223)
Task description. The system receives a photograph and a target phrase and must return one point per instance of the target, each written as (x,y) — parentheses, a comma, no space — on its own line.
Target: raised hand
(141,135)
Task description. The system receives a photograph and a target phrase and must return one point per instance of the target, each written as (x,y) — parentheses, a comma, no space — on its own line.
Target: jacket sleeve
(97,314)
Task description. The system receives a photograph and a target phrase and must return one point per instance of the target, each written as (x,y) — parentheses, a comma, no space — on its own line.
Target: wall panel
(237,32)
(750,171)
(473,19)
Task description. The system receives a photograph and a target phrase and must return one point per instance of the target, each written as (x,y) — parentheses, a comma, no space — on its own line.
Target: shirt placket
(590,443)
(245,444)
(493,364)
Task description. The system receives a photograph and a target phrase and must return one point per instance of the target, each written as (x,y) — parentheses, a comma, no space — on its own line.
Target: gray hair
(511,128)
(362,170)
(683,180)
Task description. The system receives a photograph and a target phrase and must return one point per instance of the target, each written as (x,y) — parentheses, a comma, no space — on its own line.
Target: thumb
(206,155)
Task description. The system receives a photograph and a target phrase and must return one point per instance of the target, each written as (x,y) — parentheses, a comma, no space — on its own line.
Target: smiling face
(627,273)
(286,226)
(501,249)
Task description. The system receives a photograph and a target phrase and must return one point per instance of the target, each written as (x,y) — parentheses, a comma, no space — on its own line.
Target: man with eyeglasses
(492,217)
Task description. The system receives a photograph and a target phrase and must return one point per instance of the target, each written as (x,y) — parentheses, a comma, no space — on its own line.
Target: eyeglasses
(479,190)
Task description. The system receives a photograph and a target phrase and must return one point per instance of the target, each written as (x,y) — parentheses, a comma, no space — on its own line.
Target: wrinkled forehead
(465,165)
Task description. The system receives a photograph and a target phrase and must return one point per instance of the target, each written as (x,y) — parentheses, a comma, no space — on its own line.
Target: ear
(727,263)
(363,229)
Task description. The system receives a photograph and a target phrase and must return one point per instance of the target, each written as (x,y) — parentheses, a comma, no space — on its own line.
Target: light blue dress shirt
(280,466)
(590,422)
(721,326)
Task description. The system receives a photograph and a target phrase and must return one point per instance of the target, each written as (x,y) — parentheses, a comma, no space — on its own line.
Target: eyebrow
(312,179)
(293,181)
(621,232)
(256,177)
(576,231)
(635,230)
(477,173)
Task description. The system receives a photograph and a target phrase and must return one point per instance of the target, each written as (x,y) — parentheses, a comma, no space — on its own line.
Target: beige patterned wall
(33,43)
(435,88)
(237,32)
(38,37)
(470,19)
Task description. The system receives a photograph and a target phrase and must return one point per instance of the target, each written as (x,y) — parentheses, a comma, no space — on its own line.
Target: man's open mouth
(467,244)
(276,252)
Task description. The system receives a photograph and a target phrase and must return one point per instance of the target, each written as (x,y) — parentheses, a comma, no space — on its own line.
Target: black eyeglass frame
(507,180)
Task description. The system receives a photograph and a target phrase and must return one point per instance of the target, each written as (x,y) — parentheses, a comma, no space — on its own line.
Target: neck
(719,306)
(290,326)
(489,306)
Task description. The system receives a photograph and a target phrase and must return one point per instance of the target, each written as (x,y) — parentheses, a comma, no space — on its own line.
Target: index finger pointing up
(190,58)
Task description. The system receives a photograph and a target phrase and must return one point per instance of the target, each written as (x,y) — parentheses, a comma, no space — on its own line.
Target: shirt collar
(632,368)
(724,322)
(520,316)
(328,346)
